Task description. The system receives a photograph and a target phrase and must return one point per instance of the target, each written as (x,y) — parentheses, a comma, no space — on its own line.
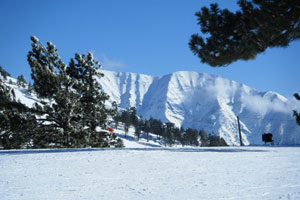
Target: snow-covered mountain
(209,102)
(200,101)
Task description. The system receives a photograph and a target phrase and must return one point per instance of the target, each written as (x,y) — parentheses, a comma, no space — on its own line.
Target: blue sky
(149,37)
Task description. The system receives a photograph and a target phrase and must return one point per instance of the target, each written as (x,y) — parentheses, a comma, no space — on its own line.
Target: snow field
(151,173)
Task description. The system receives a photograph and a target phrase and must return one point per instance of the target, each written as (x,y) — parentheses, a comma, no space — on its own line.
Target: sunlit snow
(151,173)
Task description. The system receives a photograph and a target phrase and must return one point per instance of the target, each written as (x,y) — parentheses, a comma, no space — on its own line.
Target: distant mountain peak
(199,101)
(205,101)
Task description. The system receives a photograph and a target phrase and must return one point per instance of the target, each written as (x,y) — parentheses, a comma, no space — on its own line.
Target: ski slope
(151,173)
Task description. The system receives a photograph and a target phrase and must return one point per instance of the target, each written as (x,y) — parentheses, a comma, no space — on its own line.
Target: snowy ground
(151,173)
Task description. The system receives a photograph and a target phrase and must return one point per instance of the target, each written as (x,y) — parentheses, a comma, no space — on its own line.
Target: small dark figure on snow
(268,137)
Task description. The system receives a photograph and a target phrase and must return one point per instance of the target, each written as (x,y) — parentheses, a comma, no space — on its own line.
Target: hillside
(209,102)
(200,101)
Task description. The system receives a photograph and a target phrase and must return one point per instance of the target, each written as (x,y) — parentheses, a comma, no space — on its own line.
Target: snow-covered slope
(247,173)
(209,102)
(21,93)
(200,101)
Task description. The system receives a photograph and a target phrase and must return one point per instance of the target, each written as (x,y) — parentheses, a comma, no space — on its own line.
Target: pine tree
(16,121)
(147,128)
(53,83)
(257,26)
(215,140)
(116,116)
(191,137)
(203,138)
(117,119)
(92,101)
(178,135)
(138,132)
(72,104)
(168,136)
(296,114)
(29,88)
(126,129)
(156,127)
(126,117)
(133,117)
(21,81)
(4,73)
(182,136)
(6,94)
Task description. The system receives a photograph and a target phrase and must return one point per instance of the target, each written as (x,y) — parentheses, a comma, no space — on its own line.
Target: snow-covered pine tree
(73,104)
(85,69)
(16,121)
(21,81)
(4,73)
(6,94)
(60,105)
(296,114)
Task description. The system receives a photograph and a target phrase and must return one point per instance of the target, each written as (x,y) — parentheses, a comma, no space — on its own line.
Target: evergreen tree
(29,87)
(168,134)
(215,140)
(138,132)
(257,26)
(147,128)
(126,117)
(4,73)
(21,81)
(178,135)
(126,129)
(133,117)
(16,121)
(203,138)
(296,114)
(72,104)
(117,119)
(6,94)
(191,137)
(182,136)
(116,116)
(92,101)
(52,82)
(156,127)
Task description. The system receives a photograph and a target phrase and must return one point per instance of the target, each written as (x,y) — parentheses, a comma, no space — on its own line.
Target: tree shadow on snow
(131,138)
(169,149)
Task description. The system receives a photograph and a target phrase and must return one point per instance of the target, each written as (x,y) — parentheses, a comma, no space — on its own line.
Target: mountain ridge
(199,101)
(204,101)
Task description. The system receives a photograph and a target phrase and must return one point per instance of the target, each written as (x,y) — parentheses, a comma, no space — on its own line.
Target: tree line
(167,132)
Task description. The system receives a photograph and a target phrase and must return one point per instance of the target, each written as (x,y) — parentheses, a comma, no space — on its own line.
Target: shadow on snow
(170,149)
(131,138)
